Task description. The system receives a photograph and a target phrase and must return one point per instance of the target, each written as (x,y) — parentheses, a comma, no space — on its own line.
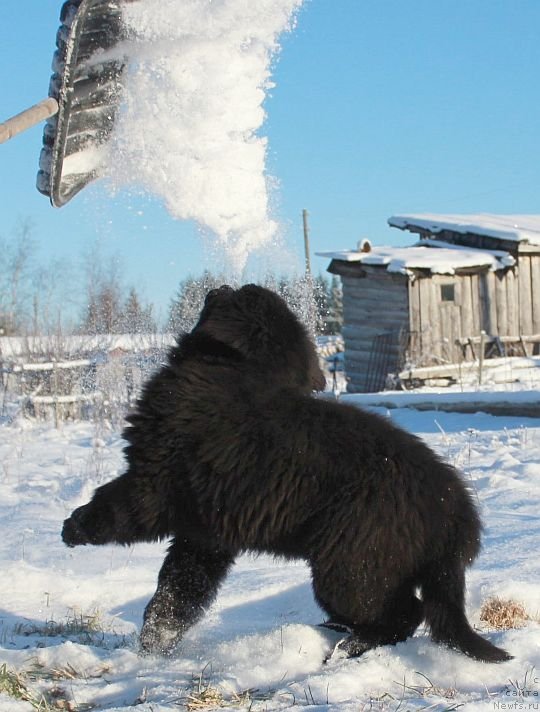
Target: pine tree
(103,313)
(335,306)
(321,299)
(136,318)
(188,302)
(104,294)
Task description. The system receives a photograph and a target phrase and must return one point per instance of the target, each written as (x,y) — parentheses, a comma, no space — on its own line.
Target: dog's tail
(443,590)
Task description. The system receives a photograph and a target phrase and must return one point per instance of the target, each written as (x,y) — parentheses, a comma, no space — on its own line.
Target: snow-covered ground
(69,617)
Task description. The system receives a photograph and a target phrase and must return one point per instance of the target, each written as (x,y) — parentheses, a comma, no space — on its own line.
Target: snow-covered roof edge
(514,228)
(434,255)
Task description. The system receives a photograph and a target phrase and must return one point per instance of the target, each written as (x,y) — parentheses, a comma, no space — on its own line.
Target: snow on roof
(439,260)
(517,228)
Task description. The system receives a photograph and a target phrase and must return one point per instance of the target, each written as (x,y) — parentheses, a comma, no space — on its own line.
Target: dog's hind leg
(401,616)
(371,615)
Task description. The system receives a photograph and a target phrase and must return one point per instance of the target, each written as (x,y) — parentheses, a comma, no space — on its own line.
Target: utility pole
(311,315)
(306,242)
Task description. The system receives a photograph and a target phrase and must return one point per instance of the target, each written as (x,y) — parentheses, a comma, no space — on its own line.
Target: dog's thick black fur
(229,451)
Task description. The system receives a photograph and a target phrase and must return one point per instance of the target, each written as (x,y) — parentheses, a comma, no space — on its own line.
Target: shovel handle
(28,118)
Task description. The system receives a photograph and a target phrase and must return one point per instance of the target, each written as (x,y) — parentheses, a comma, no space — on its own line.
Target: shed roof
(515,228)
(438,260)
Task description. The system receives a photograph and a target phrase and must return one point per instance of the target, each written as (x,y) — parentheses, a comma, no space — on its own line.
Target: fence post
(55,392)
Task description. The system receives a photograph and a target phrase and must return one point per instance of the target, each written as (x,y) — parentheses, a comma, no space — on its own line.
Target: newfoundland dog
(229,451)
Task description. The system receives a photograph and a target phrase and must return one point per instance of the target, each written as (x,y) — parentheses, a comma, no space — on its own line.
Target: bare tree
(109,308)
(102,311)
(16,265)
(52,298)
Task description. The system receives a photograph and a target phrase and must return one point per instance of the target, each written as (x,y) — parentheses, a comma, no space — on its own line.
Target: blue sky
(380,107)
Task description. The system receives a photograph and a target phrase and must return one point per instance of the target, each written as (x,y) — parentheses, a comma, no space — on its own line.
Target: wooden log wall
(374,304)
(510,299)
(503,303)
(436,324)
(529,293)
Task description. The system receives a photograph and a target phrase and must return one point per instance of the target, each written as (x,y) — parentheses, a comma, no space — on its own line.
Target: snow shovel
(84,95)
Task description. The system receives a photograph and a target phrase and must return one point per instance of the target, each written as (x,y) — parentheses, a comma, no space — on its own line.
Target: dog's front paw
(158,638)
(73,531)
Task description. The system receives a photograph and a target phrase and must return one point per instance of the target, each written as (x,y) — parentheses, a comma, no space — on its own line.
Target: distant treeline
(317,300)
(92,297)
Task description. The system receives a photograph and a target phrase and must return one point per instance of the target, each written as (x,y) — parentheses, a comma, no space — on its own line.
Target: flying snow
(198,78)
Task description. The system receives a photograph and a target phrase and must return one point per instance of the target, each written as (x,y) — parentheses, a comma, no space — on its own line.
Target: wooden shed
(432,302)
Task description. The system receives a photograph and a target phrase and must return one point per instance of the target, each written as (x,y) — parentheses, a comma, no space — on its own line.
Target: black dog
(229,452)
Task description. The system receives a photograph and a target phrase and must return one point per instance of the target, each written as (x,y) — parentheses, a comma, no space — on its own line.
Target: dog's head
(258,324)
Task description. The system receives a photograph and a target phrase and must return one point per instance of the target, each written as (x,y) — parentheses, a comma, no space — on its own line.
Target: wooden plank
(450,319)
(509,339)
(535,289)
(356,376)
(467,318)
(358,351)
(484,297)
(437,325)
(524,248)
(379,275)
(377,298)
(476,310)
(391,322)
(431,298)
(356,373)
(361,333)
(449,315)
(503,327)
(424,298)
(382,273)
(512,301)
(414,346)
(374,293)
(525,296)
(356,359)
(446,313)
(491,302)
(360,311)
(415,323)
(454,370)
(80,363)
(483,293)
(349,307)
(350,270)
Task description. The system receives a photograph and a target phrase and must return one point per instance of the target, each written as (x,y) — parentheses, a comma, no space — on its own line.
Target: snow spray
(194,104)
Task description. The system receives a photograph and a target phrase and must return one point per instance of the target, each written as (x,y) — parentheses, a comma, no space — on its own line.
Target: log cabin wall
(375,304)
(433,310)
(509,300)
(445,308)
(528,287)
